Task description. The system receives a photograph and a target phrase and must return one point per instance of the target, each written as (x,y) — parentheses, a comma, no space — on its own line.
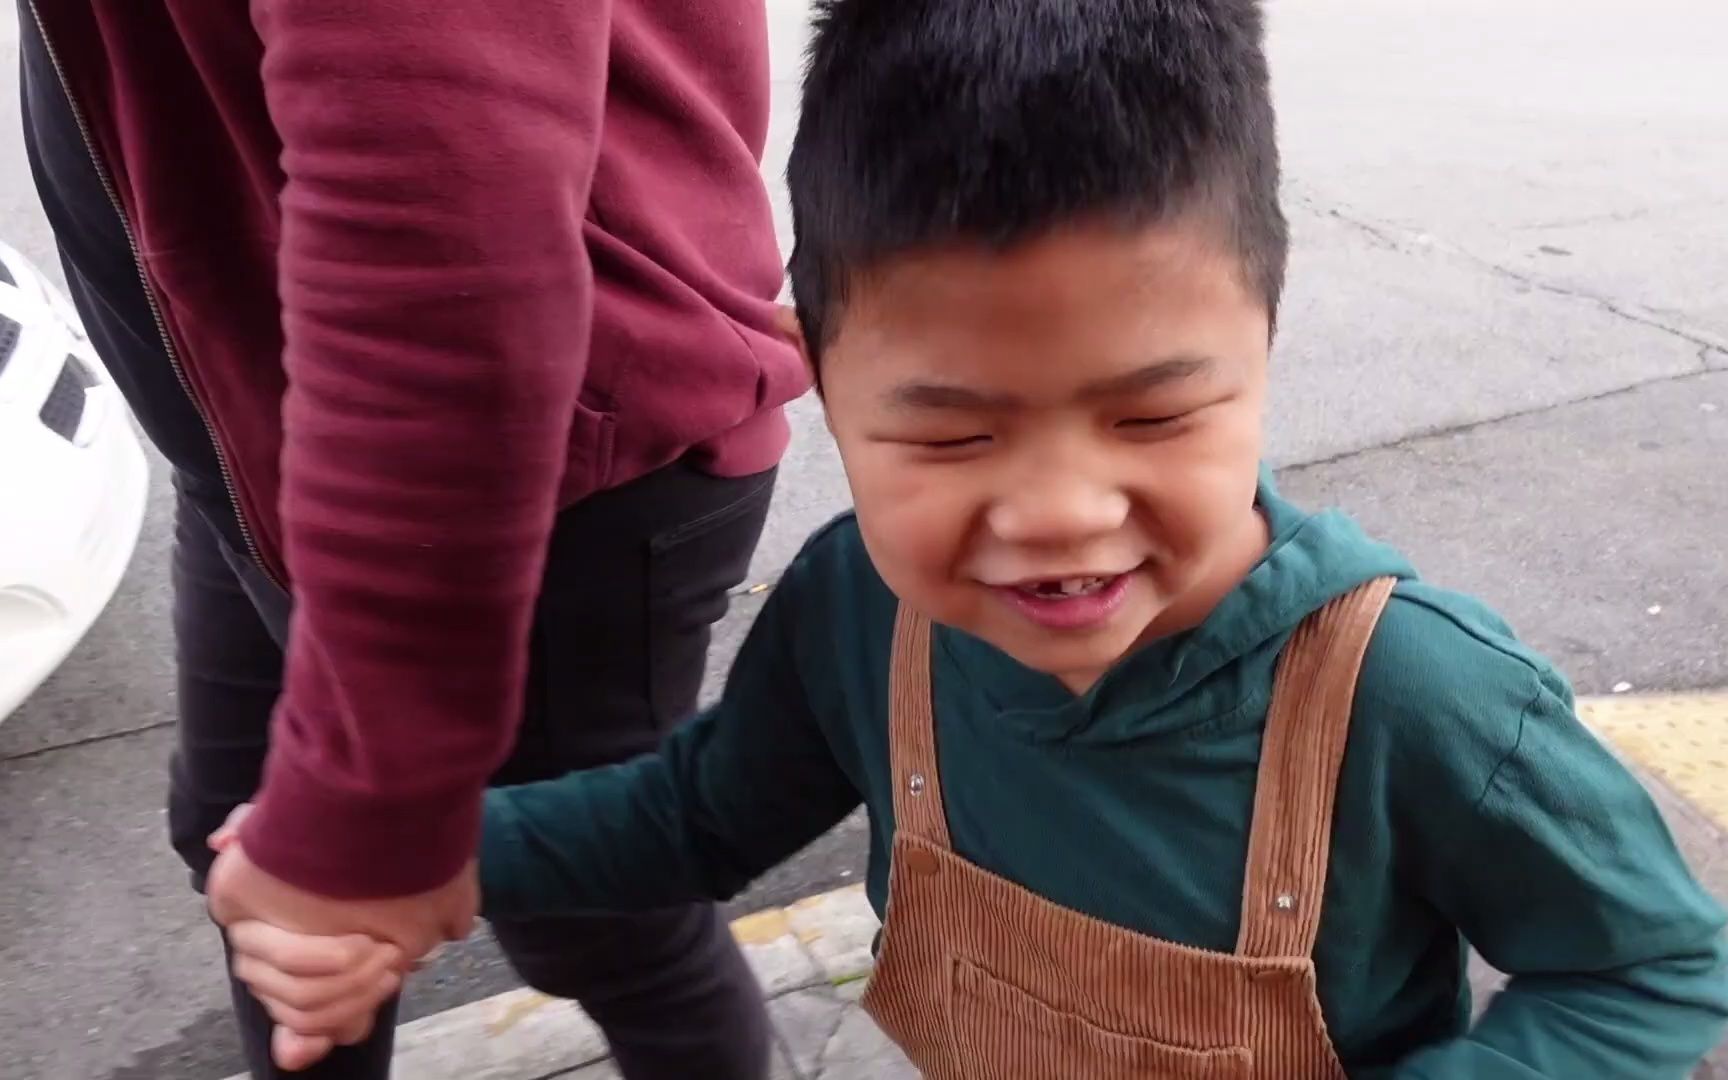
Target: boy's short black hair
(933,121)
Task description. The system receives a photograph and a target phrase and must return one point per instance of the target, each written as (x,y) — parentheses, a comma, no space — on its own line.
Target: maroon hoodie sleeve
(436,301)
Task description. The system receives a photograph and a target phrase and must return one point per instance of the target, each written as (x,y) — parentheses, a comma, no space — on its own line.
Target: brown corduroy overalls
(980,979)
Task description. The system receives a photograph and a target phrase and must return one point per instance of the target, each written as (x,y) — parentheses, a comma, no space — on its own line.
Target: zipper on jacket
(252,548)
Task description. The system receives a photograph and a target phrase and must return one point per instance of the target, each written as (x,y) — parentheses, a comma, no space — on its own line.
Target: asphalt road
(1505,348)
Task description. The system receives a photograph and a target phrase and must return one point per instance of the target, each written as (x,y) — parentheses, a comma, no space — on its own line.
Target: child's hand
(316,987)
(324,989)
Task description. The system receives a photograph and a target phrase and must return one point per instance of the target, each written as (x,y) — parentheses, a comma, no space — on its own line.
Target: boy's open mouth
(1061,588)
(1068,603)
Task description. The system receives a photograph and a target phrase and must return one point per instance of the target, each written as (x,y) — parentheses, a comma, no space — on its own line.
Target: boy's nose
(1060,512)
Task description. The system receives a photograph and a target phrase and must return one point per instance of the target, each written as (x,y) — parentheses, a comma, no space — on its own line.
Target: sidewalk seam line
(88,740)
(818,983)
(828,1039)
(573,1069)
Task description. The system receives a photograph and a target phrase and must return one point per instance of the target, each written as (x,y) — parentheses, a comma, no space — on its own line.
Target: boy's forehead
(1113,257)
(1082,306)
(1083,267)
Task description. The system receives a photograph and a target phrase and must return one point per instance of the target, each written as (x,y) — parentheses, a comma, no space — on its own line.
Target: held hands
(323,992)
(323,967)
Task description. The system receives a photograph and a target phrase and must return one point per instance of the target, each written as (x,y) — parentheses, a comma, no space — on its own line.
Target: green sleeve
(1564,876)
(728,796)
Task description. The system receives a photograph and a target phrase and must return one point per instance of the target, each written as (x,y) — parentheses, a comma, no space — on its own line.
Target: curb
(823,940)
(1681,738)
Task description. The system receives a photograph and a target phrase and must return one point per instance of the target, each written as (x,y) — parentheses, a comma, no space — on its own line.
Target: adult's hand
(239,890)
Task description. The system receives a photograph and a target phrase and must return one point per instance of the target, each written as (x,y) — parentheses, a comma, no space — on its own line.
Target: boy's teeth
(1068,586)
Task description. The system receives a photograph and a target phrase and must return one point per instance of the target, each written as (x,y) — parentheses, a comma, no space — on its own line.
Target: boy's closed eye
(961,442)
(1132,424)
(1154,424)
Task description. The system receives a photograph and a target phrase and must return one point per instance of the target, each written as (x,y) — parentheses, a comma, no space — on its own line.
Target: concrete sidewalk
(813,958)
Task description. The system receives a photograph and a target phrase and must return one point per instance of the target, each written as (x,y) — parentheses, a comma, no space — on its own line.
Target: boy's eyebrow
(1151,376)
(929,395)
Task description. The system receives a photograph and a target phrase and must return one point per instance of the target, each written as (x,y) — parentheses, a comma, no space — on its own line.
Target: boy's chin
(1078,661)
(1061,654)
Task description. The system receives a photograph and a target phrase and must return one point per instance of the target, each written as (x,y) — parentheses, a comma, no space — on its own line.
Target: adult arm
(436,300)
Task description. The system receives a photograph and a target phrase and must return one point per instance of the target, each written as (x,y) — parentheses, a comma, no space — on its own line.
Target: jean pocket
(693,569)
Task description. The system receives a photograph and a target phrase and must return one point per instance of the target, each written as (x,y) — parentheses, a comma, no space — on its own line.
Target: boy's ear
(786,321)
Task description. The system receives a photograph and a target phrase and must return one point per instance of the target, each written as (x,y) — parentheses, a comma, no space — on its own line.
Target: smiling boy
(1055,445)
(1166,777)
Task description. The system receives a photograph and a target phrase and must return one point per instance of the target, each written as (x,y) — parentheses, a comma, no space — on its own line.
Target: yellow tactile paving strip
(1683,738)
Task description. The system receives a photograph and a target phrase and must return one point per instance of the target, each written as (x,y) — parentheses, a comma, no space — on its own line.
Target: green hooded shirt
(1473,808)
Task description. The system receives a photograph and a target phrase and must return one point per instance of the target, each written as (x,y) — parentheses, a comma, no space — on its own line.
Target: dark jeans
(635,579)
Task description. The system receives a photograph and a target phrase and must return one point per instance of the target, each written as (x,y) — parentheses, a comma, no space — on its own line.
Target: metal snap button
(1285,902)
(916,784)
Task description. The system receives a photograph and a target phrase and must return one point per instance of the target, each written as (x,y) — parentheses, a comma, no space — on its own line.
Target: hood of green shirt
(1210,675)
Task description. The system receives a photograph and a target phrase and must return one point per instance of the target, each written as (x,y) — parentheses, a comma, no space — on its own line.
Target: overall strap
(1307,725)
(912,733)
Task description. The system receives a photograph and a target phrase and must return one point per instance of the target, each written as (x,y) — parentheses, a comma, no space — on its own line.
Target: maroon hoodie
(431,271)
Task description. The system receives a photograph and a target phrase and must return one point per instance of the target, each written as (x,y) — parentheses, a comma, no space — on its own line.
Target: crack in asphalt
(1407,443)
(1609,218)
(1386,235)
(87,740)
(1406,242)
